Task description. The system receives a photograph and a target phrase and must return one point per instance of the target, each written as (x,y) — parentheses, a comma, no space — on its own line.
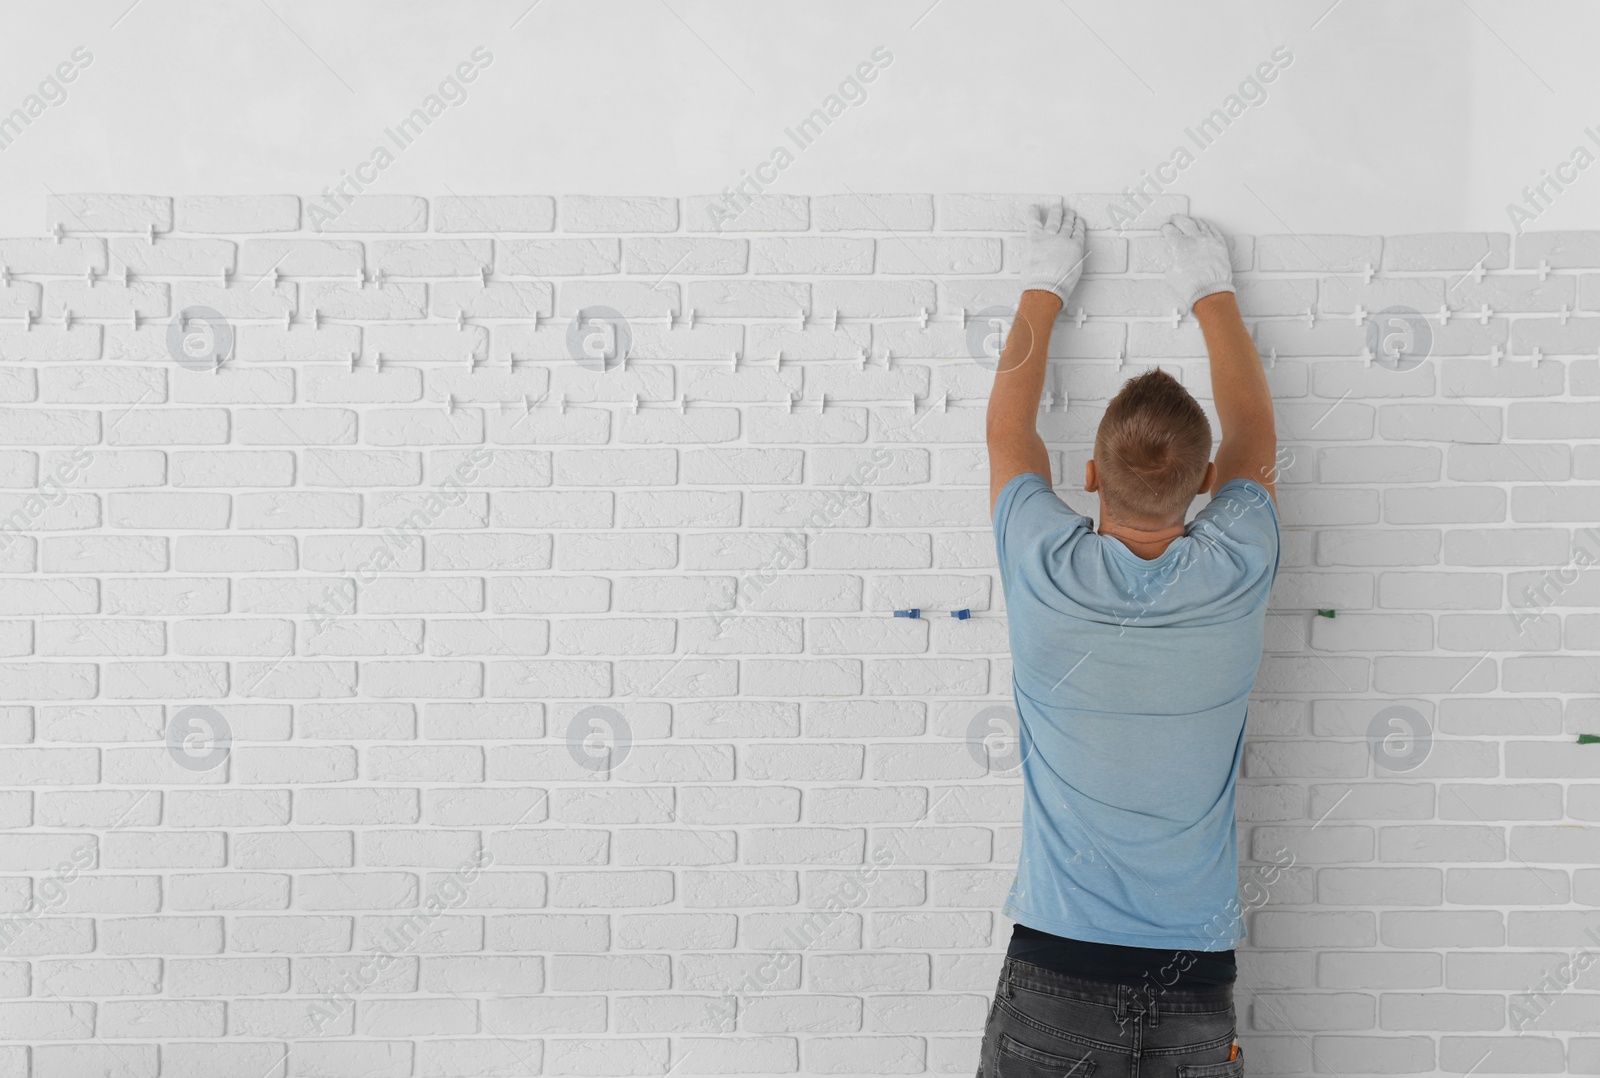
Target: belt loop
(1122,1003)
(1155,1010)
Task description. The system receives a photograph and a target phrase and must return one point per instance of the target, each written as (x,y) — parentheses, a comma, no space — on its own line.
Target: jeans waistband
(1195,999)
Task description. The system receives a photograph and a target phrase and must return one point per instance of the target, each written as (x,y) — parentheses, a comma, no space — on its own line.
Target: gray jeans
(1044,1024)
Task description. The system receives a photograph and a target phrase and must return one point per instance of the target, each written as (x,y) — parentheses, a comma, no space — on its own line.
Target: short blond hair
(1152,447)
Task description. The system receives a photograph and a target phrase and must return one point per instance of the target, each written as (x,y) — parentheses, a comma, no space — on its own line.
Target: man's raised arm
(1202,275)
(1056,250)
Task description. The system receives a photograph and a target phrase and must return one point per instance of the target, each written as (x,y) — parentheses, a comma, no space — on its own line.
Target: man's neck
(1148,542)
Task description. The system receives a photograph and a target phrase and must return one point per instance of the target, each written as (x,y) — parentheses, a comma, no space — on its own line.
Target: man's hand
(1200,265)
(1056,250)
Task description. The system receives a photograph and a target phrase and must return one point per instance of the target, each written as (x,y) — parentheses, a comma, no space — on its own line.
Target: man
(1134,647)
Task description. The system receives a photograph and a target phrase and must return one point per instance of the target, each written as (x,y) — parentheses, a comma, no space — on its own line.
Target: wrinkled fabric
(1131,680)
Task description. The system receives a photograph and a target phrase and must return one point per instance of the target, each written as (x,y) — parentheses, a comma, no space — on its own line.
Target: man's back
(1131,678)
(1134,649)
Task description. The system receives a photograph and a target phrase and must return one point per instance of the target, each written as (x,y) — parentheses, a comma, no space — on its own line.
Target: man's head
(1152,453)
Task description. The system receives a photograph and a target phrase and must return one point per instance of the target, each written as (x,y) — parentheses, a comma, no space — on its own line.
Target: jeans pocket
(1071,1018)
(1013,1059)
(1197,1039)
(1233,1068)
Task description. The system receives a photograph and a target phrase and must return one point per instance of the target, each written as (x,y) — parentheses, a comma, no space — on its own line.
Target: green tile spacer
(1589,739)
(1325,613)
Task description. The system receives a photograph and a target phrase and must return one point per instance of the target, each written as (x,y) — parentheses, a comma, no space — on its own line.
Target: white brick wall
(413,553)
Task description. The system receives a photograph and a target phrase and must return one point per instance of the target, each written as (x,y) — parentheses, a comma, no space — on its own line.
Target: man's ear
(1091,480)
(1210,477)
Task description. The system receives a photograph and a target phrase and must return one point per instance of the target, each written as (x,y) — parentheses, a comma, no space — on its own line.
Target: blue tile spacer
(914,612)
(963,613)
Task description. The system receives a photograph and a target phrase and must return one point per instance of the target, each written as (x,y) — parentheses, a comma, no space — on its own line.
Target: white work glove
(1200,261)
(1056,246)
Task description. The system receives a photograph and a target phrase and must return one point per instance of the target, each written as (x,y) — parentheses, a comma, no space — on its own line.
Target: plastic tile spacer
(1325,613)
(914,612)
(963,614)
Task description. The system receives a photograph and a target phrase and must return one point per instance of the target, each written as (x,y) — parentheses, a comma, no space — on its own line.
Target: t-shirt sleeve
(1026,512)
(1242,515)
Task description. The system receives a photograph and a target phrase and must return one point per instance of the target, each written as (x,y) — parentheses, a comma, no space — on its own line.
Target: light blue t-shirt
(1131,678)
